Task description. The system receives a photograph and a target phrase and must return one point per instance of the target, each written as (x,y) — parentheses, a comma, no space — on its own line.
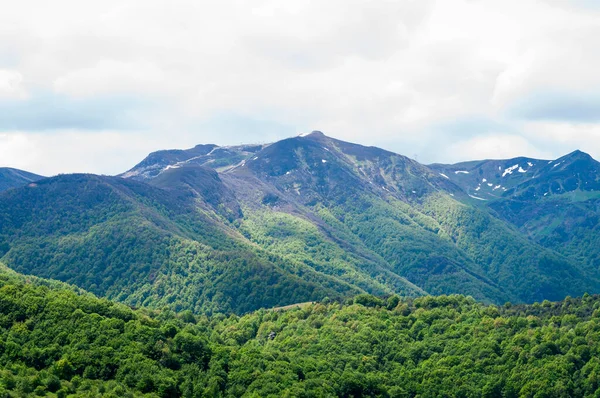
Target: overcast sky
(93,86)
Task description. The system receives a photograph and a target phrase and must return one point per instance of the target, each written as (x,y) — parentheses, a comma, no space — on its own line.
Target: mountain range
(233,229)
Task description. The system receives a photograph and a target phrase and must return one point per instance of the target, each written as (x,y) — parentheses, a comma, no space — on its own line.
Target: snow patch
(522,170)
(530,164)
(130,174)
(557,164)
(510,170)
(254,158)
(172,166)
(198,157)
(484,180)
(444,175)
(461,172)
(323,160)
(478,188)
(475,197)
(497,186)
(490,184)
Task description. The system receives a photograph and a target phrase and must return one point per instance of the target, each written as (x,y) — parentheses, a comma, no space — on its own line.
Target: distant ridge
(14,178)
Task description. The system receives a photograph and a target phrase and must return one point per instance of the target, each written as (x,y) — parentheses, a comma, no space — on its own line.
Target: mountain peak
(577,154)
(313,134)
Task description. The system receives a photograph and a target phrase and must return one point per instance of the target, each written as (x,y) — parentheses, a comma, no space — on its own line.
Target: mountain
(13,178)
(525,178)
(234,229)
(554,203)
(415,221)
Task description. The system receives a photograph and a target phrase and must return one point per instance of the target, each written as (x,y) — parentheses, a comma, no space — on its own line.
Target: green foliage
(415,246)
(145,246)
(58,342)
(522,268)
(305,244)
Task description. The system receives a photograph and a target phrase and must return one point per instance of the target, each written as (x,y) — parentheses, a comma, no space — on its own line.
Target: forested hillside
(57,341)
(419,221)
(555,203)
(235,229)
(142,245)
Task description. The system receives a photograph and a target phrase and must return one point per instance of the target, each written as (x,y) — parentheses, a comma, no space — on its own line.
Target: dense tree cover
(300,241)
(572,230)
(521,267)
(56,341)
(141,245)
(416,247)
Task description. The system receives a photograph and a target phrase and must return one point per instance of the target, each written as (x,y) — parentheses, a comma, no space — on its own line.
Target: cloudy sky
(93,86)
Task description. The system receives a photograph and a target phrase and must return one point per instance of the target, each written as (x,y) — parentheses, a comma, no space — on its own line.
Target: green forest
(57,340)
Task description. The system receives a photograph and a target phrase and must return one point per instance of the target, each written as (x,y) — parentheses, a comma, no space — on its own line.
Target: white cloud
(494,146)
(11,85)
(369,71)
(106,152)
(567,136)
(112,77)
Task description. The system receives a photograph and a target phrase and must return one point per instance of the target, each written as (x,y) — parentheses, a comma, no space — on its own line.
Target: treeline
(55,341)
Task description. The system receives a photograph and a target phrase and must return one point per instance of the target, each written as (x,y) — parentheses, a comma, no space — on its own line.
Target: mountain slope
(314,178)
(14,178)
(145,246)
(288,235)
(391,219)
(391,205)
(209,155)
(525,178)
(554,203)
